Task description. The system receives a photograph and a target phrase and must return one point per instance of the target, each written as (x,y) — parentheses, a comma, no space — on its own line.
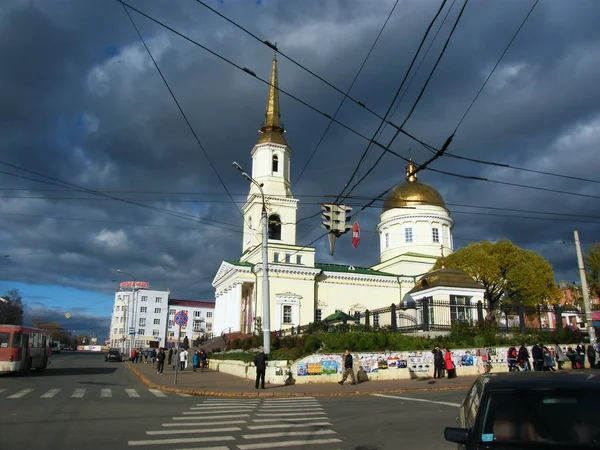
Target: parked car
(530,410)
(113,355)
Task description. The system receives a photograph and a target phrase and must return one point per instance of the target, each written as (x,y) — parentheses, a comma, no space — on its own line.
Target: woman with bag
(450,367)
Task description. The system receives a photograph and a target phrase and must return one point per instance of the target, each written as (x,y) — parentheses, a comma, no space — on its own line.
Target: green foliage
(592,263)
(11,309)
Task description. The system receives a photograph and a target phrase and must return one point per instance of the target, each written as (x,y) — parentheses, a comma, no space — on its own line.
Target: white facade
(200,319)
(148,319)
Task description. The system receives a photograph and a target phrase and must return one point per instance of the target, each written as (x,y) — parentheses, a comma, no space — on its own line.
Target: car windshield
(113,352)
(560,417)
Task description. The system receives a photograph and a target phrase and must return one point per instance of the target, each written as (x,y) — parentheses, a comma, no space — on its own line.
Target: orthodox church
(414,228)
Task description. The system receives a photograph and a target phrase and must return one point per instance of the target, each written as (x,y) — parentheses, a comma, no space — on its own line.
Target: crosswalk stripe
(289,414)
(2,390)
(289,399)
(205,424)
(273,409)
(51,393)
(157,393)
(105,393)
(132,393)
(226,416)
(183,395)
(224,411)
(289,419)
(287,433)
(308,442)
(21,393)
(289,425)
(216,408)
(78,393)
(207,448)
(182,440)
(194,431)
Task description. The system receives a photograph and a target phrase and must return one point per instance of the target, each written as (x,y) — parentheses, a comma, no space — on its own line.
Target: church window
(435,235)
(460,309)
(387,240)
(298,259)
(276,257)
(318,315)
(288,258)
(275,164)
(408,235)
(287,314)
(275,227)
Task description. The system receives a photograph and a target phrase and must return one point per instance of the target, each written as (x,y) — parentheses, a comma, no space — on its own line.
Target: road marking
(2,390)
(233,416)
(224,411)
(132,392)
(51,393)
(217,408)
(288,414)
(287,434)
(105,393)
(288,419)
(221,403)
(20,394)
(184,395)
(206,448)
(200,430)
(286,401)
(182,440)
(417,400)
(78,393)
(157,393)
(289,425)
(309,442)
(302,399)
(274,409)
(206,424)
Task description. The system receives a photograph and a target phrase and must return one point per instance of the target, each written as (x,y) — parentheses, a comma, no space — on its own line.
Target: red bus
(24,348)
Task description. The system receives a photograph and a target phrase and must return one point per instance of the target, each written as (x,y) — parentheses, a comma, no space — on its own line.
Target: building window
(288,258)
(435,235)
(287,314)
(387,240)
(118,308)
(276,257)
(144,298)
(115,330)
(158,299)
(143,309)
(141,332)
(209,327)
(156,321)
(121,330)
(375,319)
(209,314)
(171,323)
(408,235)
(318,315)
(142,321)
(460,309)
(172,312)
(197,314)
(156,310)
(274,227)
(298,259)
(275,164)
(155,333)
(171,334)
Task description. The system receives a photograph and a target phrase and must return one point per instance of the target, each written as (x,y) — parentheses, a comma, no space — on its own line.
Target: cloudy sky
(100,171)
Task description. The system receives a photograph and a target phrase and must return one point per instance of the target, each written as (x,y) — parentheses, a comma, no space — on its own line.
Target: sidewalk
(211,383)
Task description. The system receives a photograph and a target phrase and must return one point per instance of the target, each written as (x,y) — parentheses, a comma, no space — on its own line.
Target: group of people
(442,363)
(158,358)
(544,358)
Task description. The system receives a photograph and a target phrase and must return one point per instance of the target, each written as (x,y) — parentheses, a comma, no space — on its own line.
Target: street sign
(181,318)
(355,235)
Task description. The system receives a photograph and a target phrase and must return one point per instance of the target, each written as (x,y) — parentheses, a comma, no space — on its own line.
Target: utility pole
(131,307)
(585,292)
(266,321)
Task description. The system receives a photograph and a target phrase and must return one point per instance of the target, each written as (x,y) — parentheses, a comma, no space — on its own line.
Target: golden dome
(412,193)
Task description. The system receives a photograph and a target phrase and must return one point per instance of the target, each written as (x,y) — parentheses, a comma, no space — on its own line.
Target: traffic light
(335,221)
(327,216)
(344,219)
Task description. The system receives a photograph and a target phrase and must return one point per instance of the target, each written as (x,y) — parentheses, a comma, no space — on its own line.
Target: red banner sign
(355,235)
(138,284)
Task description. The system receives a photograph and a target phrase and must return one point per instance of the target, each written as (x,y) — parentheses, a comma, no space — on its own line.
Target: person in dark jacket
(170,355)
(438,363)
(524,357)
(161,361)
(591,355)
(260,361)
(538,357)
(348,371)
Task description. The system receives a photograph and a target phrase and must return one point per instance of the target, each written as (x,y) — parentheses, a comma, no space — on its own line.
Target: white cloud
(506,74)
(112,238)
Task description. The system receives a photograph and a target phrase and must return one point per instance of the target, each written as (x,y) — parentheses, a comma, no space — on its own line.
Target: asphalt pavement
(81,402)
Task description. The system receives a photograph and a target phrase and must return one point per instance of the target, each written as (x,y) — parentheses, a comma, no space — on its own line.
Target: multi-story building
(146,324)
(200,320)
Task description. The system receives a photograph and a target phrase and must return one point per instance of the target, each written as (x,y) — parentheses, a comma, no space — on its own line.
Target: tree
(506,272)
(592,263)
(11,308)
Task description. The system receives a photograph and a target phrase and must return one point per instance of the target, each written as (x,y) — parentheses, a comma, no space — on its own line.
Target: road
(84,403)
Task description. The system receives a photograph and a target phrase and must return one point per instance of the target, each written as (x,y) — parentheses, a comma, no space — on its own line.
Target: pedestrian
(450,367)
(485,359)
(438,363)
(260,361)
(591,354)
(548,360)
(195,360)
(580,350)
(348,371)
(523,357)
(560,356)
(138,355)
(538,357)
(202,356)
(161,361)
(132,357)
(170,356)
(145,352)
(511,358)
(183,358)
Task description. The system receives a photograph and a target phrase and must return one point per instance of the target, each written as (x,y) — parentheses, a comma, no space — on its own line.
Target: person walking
(170,356)
(524,357)
(559,355)
(450,367)
(183,354)
(538,357)
(202,357)
(438,363)
(161,361)
(512,357)
(580,350)
(591,355)
(485,359)
(195,360)
(260,361)
(348,371)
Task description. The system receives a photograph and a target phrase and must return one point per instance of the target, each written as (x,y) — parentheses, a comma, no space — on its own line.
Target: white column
(219,314)
(236,319)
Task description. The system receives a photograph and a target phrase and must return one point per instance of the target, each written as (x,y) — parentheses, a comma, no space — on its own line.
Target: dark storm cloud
(83,102)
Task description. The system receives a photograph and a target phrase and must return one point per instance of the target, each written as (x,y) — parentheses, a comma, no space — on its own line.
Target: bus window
(4,340)
(17,338)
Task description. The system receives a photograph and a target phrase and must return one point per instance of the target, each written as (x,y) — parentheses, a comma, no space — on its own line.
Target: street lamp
(265,262)
(130,312)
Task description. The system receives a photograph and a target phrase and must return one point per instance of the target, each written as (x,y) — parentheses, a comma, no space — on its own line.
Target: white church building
(414,227)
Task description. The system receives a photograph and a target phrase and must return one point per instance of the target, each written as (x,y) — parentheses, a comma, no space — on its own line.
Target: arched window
(274,227)
(275,164)
(250,222)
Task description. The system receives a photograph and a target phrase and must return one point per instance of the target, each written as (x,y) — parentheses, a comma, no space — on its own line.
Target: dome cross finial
(411,171)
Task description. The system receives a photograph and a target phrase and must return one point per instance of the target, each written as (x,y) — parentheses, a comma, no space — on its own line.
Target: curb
(151,385)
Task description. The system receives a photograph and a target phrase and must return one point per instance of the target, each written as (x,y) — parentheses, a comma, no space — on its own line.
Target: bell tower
(271,167)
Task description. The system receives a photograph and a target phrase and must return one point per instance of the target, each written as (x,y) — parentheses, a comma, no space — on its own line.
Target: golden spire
(272,129)
(411,174)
